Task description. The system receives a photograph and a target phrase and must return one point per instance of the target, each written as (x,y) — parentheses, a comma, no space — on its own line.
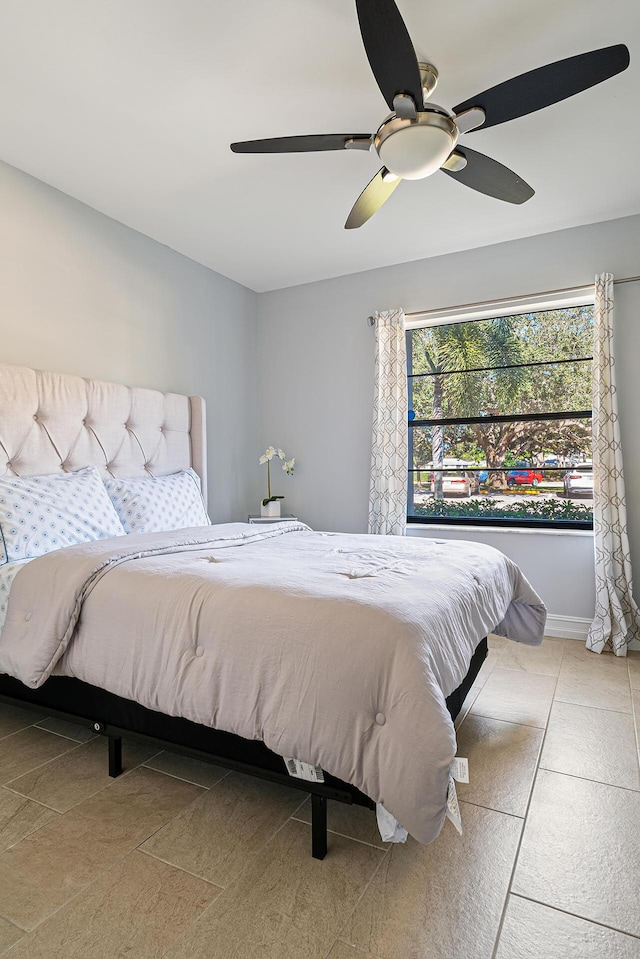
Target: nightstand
(256,518)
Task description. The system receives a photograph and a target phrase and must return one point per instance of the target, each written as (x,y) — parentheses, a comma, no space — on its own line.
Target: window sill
(423,529)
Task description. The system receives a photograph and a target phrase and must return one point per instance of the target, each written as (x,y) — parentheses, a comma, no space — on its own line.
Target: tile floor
(181,859)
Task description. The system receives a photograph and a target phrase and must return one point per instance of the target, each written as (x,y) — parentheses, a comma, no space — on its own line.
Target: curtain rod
(467,306)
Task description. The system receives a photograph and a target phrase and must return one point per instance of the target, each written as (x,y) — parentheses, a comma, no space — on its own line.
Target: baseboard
(573,627)
(567,627)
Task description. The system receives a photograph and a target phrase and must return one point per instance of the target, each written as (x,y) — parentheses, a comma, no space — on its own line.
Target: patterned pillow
(7,576)
(156,504)
(41,513)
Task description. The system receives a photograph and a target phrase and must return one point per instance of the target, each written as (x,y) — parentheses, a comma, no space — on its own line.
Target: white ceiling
(130,106)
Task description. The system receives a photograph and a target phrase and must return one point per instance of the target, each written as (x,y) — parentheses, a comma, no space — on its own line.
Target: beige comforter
(338,650)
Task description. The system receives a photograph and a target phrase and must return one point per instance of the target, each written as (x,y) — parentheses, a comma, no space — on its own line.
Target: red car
(524,477)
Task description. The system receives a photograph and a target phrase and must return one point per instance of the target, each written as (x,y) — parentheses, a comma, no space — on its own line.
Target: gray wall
(81,293)
(316,362)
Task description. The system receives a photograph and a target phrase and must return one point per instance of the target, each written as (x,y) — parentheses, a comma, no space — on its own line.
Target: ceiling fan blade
(323,141)
(376,192)
(540,88)
(485,175)
(389,50)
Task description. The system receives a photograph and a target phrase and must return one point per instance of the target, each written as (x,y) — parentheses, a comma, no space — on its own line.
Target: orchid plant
(288,467)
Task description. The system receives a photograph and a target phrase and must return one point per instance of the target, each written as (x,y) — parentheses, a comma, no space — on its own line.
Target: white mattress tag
(390,828)
(460,769)
(453,809)
(300,770)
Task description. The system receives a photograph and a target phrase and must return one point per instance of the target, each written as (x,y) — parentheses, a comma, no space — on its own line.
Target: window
(500,418)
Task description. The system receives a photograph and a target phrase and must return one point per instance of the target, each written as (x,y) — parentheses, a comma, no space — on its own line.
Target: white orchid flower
(288,466)
(268,455)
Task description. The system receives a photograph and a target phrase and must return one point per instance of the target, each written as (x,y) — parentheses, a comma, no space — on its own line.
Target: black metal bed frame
(115,717)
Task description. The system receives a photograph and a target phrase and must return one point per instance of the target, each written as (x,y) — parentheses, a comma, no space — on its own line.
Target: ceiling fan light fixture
(418,137)
(416,148)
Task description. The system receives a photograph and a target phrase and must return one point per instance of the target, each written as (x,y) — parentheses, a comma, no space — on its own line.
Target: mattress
(333,649)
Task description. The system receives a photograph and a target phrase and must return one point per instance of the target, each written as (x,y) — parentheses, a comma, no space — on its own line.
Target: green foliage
(271,499)
(510,459)
(541,509)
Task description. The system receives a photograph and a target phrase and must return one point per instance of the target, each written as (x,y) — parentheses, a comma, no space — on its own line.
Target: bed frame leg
(115,756)
(318,826)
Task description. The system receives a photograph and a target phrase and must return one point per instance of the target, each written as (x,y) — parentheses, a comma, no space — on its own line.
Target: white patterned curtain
(389,451)
(617,619)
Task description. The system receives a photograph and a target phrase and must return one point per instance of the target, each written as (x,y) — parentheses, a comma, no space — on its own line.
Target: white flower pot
(271,509)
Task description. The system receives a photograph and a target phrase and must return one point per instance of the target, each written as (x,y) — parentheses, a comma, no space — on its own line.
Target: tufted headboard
(52,422)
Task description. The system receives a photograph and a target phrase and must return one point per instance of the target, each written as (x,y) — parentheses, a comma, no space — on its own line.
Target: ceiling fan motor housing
(415,147)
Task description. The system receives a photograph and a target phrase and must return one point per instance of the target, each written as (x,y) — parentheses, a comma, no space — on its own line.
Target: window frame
(515,306)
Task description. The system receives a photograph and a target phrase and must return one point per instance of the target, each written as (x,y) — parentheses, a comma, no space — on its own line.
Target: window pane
(538,470)
(533,363)
(514,364)
(550,388)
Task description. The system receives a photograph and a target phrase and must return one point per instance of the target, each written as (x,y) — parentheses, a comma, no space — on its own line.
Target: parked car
(579,479)
(455,483)
(524,477)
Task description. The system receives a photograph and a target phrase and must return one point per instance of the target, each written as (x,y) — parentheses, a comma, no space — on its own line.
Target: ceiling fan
(418,137)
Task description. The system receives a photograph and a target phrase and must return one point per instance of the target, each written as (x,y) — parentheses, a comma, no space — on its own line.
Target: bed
(53,423)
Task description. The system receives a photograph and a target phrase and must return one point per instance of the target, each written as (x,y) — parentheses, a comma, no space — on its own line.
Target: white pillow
(41,513)
(157,504)
(7,575)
